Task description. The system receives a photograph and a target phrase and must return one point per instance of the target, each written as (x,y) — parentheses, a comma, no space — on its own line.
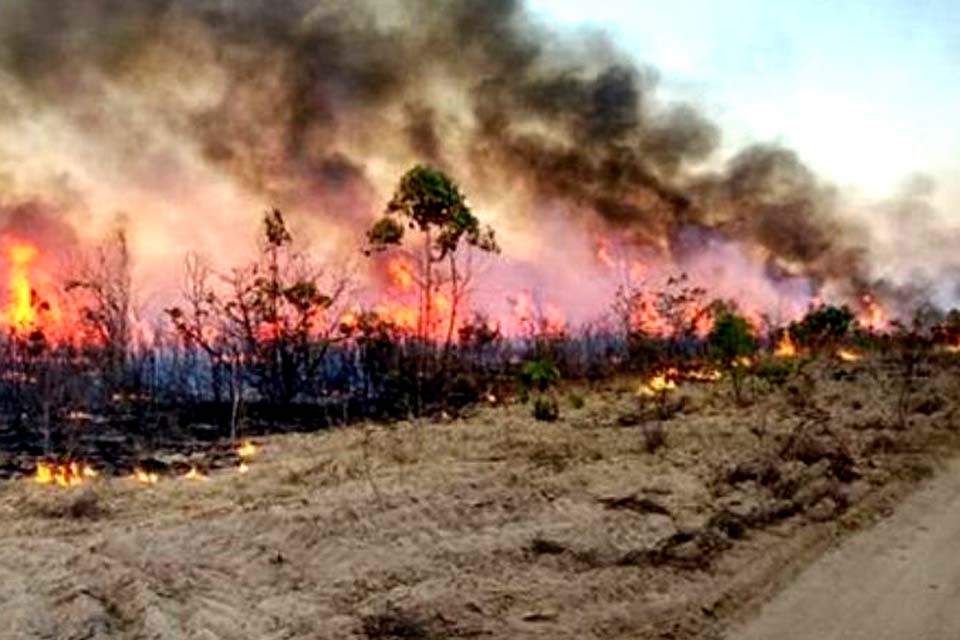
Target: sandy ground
(898,580)
(490,526)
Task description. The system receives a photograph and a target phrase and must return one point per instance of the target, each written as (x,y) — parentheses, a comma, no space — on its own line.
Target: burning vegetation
(553,222)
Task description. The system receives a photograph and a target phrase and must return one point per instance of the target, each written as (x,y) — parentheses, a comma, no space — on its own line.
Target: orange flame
(66,475)
(20,312)
(786,348)
(246,450)
(871,315)
(849,356)
(146,477)
(194,474)
(658,385)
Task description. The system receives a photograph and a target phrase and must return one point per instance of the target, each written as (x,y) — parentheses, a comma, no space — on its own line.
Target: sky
(867,91)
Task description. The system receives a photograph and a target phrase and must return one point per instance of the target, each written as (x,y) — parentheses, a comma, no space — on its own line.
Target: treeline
(277,343)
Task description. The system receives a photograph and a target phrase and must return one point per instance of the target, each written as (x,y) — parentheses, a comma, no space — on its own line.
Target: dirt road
(897,581)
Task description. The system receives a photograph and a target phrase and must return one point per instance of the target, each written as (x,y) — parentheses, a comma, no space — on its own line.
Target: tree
(102,288)
(428,201)
(271,321)
(822,327)
(732,345)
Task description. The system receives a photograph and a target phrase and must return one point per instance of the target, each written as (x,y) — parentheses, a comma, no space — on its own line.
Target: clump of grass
(82,504)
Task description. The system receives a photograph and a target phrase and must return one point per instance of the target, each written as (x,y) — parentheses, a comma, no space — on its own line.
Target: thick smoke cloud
(316,106)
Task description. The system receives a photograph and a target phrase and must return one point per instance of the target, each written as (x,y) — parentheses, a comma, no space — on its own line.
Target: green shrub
(539,375)
(731,345)
(822,327)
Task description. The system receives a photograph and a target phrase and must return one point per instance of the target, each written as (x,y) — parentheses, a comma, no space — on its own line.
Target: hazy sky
(868,91)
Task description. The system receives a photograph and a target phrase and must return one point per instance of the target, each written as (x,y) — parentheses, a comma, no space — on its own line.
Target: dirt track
(899,580)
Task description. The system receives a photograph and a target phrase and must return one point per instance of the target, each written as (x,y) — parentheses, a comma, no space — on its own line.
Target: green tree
(731,345)
(823,327)
(429,202)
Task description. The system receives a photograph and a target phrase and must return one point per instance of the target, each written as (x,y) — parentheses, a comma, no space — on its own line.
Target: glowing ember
(70,474)
(146,477)
(786,348)
(849,356)
(658,385)
(242,467)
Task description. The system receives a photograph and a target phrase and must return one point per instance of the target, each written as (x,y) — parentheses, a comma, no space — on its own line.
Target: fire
(32,299)
(20,313)
(786,348)
(70,474)
(401,274)
(704,374)
(659,384)
(243,467)
(146,477)
(194,474)
(872,316)
(849,356)
(246,450)
(529,315)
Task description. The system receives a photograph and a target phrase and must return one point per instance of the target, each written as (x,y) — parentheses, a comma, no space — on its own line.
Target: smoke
(192,116)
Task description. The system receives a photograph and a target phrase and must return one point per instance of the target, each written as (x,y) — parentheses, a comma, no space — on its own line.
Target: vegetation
(541,376)
(278,341)
(823,327)
(732,346)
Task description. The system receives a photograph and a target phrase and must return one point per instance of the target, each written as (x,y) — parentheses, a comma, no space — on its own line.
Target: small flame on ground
(659,384)
(66,475)
(704,374)
(849,356)
(145,477)
(786,348)
(246,450)
(194,474)
(243,467)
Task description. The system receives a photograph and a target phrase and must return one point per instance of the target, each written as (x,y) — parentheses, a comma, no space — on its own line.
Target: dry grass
(494,525)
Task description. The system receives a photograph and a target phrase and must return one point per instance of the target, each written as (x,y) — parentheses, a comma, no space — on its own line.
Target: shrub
(540,375)
(731,344)
(546,409)
(822,327)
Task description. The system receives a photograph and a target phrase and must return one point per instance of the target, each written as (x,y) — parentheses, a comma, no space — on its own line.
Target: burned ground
(492,525)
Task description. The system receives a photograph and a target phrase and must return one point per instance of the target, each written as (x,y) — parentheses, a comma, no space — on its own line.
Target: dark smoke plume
(300,101)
